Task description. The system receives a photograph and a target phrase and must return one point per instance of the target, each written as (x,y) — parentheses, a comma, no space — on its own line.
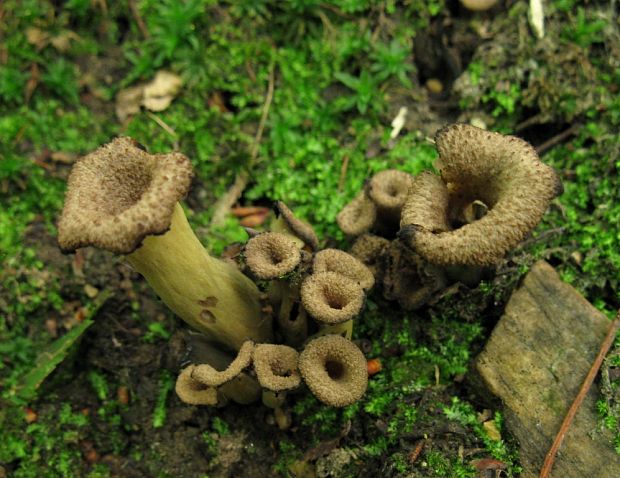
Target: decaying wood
(535,361)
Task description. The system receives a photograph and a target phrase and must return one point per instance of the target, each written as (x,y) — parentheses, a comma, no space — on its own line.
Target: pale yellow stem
(210,295)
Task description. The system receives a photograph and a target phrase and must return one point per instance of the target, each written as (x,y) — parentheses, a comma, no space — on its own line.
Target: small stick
(343,172)
(583,391)
(138,18)
(558,138)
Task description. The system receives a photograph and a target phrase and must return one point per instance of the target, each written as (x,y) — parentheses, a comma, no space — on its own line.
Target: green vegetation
(340,70)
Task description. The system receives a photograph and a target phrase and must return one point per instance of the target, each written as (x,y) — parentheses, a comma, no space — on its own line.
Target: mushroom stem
(210,295)
(344,329)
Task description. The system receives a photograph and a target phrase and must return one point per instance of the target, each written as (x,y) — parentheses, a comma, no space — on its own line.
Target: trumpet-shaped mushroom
(296,226)
(334,370)
(496,181)
(122,199)
(331,298)
(276,367)
(193,391)
(271,255)
(369,249)
(335,260)
(209,375)
(358,216)
(388,190)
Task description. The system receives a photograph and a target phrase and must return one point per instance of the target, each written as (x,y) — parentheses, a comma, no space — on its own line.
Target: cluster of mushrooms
(281,315)
(418,233)
(278,317)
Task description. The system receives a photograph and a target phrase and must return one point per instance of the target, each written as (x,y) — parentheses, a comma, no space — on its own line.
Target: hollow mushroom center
(280,369)
(123,186)
(275,256)
(334,298)
(335,369)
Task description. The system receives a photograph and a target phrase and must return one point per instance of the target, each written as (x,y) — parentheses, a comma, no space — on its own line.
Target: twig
(168,129)
(343,172)
(228,200)
(583,391)
(558,138)
(138,18)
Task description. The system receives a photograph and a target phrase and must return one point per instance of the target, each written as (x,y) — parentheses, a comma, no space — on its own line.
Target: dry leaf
(492,430)
(159,93)
(128,102)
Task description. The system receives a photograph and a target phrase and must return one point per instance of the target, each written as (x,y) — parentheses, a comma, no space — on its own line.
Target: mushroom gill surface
(334,369)
(501,172)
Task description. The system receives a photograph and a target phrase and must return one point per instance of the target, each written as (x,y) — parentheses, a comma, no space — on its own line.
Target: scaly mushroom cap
(334,260)
(503,173)
(388,189)
(193,391)
(298,227)
(271,255)
(334,370)
(208,375)
(331,298)
(408,278)
(119,194)
(369,248)
(358,216)
(276,367)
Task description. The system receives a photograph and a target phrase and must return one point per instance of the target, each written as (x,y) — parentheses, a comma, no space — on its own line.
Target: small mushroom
(271,255)
(276,367)
(369,248)
(331,298)
(122,199)
(334,260)
(334,370)
(296,226)
(193,391)
(358,216)
(499,176)
(209,375)
(388,190)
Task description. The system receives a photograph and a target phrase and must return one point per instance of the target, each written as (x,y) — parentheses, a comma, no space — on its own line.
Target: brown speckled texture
(369,248)
(276,367)
(208,375)
(388,189)
(301,229)
(504,172)
(271,255)
(119,194)
(358,216)
(192,391)
(331,298)
(334,370)
(334,260)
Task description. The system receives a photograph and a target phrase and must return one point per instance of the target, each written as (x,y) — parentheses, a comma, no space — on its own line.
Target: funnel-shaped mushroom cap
(388,189)
(271,255)
(358,216)
(334,260)
(205,373)
(193,391)
(276,367)
(503,173)
(299,228)
(334,370)
(119,194)
(331,298)
(369,248)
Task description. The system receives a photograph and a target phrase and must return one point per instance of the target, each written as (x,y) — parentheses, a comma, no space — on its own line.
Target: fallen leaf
(492,431)
(159,93)
(253,220)
(128,102)
(488,464)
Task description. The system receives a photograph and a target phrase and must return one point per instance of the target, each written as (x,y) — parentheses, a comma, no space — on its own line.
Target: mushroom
(333,300)
(193,391)
(334,370)
(334,260)
(495,180)
(388,190)
(358,216)
(122,199)
(271,255)
(369,248)
(478,5)
(276,367)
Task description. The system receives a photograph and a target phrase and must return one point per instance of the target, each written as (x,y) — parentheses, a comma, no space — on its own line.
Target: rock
(535,361)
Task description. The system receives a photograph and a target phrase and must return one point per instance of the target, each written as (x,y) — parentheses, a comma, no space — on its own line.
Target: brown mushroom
(331,298)
(357,217)
(209,375)
(334,370)
(193,391)
(497,174)
(335,260)
(388,190)
(271,255)
(276,367)
(369,248)
(124,200)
